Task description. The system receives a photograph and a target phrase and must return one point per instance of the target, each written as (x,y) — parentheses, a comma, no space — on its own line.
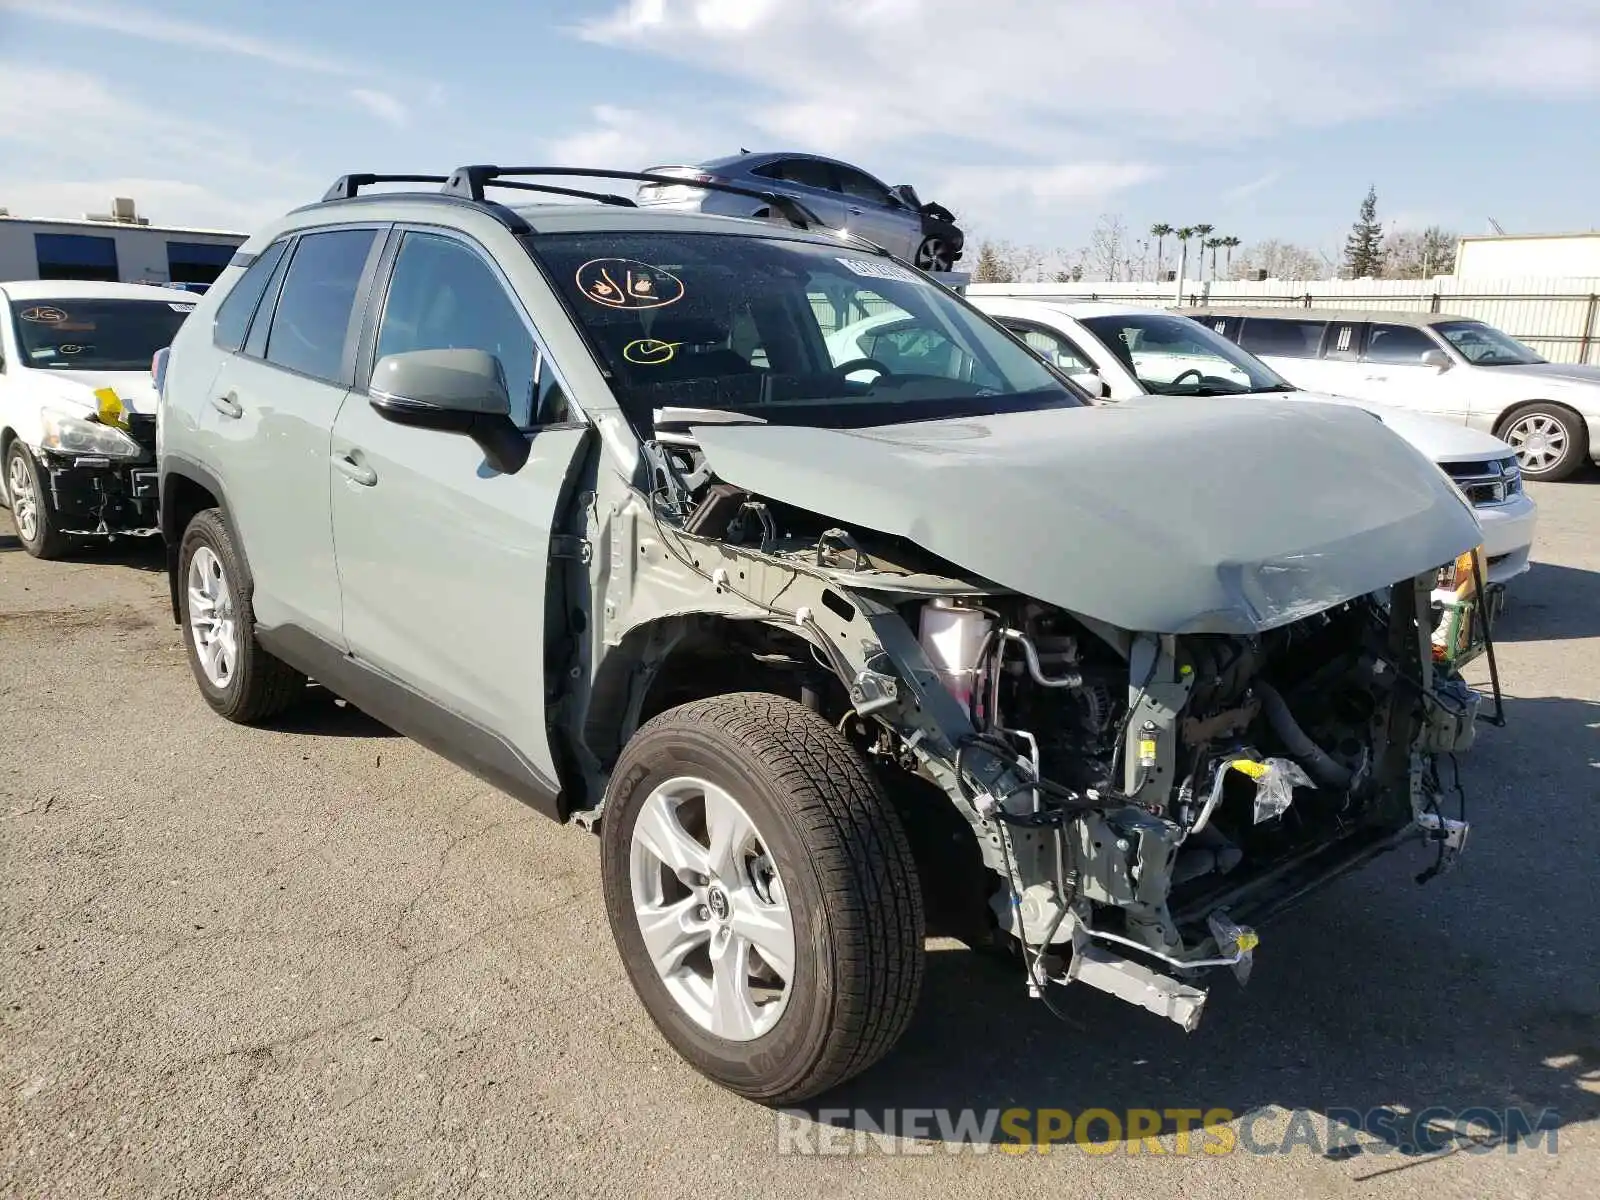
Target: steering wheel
(1199,376)
(863,364)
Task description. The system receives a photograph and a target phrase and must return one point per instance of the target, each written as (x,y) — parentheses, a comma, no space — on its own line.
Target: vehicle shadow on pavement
(322,714)
(1570,609)
(1376,997)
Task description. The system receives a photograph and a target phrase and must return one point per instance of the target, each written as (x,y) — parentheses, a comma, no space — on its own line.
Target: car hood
(1154,516)
(1441,440)
(76,389)
(1565,372)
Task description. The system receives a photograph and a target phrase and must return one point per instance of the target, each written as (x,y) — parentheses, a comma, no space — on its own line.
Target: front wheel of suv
(237,677)
(762,895)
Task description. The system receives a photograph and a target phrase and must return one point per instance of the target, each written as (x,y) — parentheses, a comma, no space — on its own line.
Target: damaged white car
(78,407)
(824,658)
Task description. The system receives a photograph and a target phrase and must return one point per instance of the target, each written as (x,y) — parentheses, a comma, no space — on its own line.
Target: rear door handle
(228,406)
(1377,379)
(358,472)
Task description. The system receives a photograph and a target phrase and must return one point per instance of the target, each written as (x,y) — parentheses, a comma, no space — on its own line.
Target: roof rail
(470,182)
(347,187)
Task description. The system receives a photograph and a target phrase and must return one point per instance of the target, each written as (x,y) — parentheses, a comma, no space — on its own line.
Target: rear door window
(1398,344)
(807,172)
(311,324)
(233,317)
(1280,338)
(1343,341)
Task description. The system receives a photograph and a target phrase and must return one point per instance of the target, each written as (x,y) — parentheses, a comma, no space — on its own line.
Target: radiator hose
(1324,769)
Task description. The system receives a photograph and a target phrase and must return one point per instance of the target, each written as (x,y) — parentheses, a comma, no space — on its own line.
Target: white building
(1547,255)
(119,246)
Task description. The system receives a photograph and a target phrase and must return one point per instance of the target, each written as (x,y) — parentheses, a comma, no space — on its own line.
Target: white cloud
(93,142)
(381,105)
(138,23)
(979,193)
(1259,184)
(628,140)
(1033,76)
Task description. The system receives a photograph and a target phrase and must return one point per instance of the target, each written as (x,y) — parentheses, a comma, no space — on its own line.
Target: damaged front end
(99,471)
(1130,801)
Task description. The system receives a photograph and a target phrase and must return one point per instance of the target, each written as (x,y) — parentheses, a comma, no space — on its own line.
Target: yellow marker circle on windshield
(650,352)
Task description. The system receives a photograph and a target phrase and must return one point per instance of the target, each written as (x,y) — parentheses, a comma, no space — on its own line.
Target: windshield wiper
(1271,387)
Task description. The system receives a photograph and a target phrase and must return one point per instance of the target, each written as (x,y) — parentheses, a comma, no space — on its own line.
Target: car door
(1393,373)
(874,214)
(268,419)
(1291,347)
(442,560)
(812,182)
(1100,378)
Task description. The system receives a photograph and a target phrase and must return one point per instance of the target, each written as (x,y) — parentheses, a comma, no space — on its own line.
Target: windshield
(1174,356)
(1485,346)
(95,335)
(791,332)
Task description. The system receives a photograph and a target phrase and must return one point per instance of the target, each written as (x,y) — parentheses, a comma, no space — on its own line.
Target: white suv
(1461,370)
(78,407)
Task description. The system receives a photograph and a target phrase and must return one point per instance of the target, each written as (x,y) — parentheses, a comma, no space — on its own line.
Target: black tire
(1574,434)
(936,254)
(848,877)
(259,686)
(47,542)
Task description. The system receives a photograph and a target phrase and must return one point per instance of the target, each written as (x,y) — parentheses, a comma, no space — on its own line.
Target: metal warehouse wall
(141,249)
(1559,318)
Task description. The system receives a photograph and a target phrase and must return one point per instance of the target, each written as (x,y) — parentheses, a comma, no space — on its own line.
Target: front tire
(935,255)
(1551,440)
(762,895)
(29,501)
(238,678)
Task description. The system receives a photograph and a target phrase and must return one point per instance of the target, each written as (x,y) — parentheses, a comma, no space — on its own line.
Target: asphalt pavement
(315,959)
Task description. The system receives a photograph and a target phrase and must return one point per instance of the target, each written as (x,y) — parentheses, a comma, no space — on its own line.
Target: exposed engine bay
(1138,799)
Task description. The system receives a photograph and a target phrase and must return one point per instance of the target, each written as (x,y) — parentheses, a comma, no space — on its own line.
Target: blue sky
(1265,118)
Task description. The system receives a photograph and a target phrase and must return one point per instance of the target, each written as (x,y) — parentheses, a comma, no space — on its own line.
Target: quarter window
(312,320)
(1270,337)
(233,317)
(1398,344)
(444,297)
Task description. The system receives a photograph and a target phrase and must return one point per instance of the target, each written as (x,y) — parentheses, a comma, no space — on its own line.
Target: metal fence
(1558,318)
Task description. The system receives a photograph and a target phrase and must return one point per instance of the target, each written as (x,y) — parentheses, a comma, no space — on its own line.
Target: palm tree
(1213,245)
(1183,235)
(1161,232)
(1203,232)
(1228,244)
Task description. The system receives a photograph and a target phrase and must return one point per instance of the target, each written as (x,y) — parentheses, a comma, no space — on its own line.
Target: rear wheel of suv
(30,506)
(762,895)
(1550,440)
(236,676)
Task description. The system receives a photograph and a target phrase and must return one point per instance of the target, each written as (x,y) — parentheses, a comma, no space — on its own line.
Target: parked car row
(835,607)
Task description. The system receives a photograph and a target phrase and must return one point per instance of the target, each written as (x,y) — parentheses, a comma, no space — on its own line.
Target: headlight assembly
(66,434)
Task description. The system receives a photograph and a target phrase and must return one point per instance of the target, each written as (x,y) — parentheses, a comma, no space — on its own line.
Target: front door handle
(1377,379)
(228,406)
(355,471)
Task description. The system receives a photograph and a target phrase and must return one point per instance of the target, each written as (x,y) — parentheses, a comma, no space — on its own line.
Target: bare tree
(1409,254)
(1071,265)
(1106,246)
(1280,260)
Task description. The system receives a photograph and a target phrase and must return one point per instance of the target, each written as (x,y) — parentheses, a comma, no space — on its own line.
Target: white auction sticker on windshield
(183,308)
(875,269)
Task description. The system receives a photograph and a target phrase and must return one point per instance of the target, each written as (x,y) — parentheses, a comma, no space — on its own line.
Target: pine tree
(1363,249)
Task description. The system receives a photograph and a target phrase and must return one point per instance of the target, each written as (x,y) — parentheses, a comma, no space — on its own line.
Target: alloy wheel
(24,500)
(1540,441)
(211,617)
(712,909)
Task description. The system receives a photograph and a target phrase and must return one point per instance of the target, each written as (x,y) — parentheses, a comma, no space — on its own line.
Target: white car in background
(1454,368)
(1119,352)
(78,407)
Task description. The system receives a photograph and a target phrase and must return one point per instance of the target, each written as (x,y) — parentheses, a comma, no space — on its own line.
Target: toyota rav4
(827,652)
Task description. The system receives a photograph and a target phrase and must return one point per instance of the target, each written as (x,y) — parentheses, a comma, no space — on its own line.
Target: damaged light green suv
(828,652)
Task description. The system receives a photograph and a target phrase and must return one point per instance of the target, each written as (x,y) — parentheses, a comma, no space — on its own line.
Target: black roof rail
(470,182)
(348,186)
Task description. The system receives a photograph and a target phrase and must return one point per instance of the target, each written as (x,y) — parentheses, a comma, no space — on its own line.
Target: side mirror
(1436,359)
(1091,382)
(454,391)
